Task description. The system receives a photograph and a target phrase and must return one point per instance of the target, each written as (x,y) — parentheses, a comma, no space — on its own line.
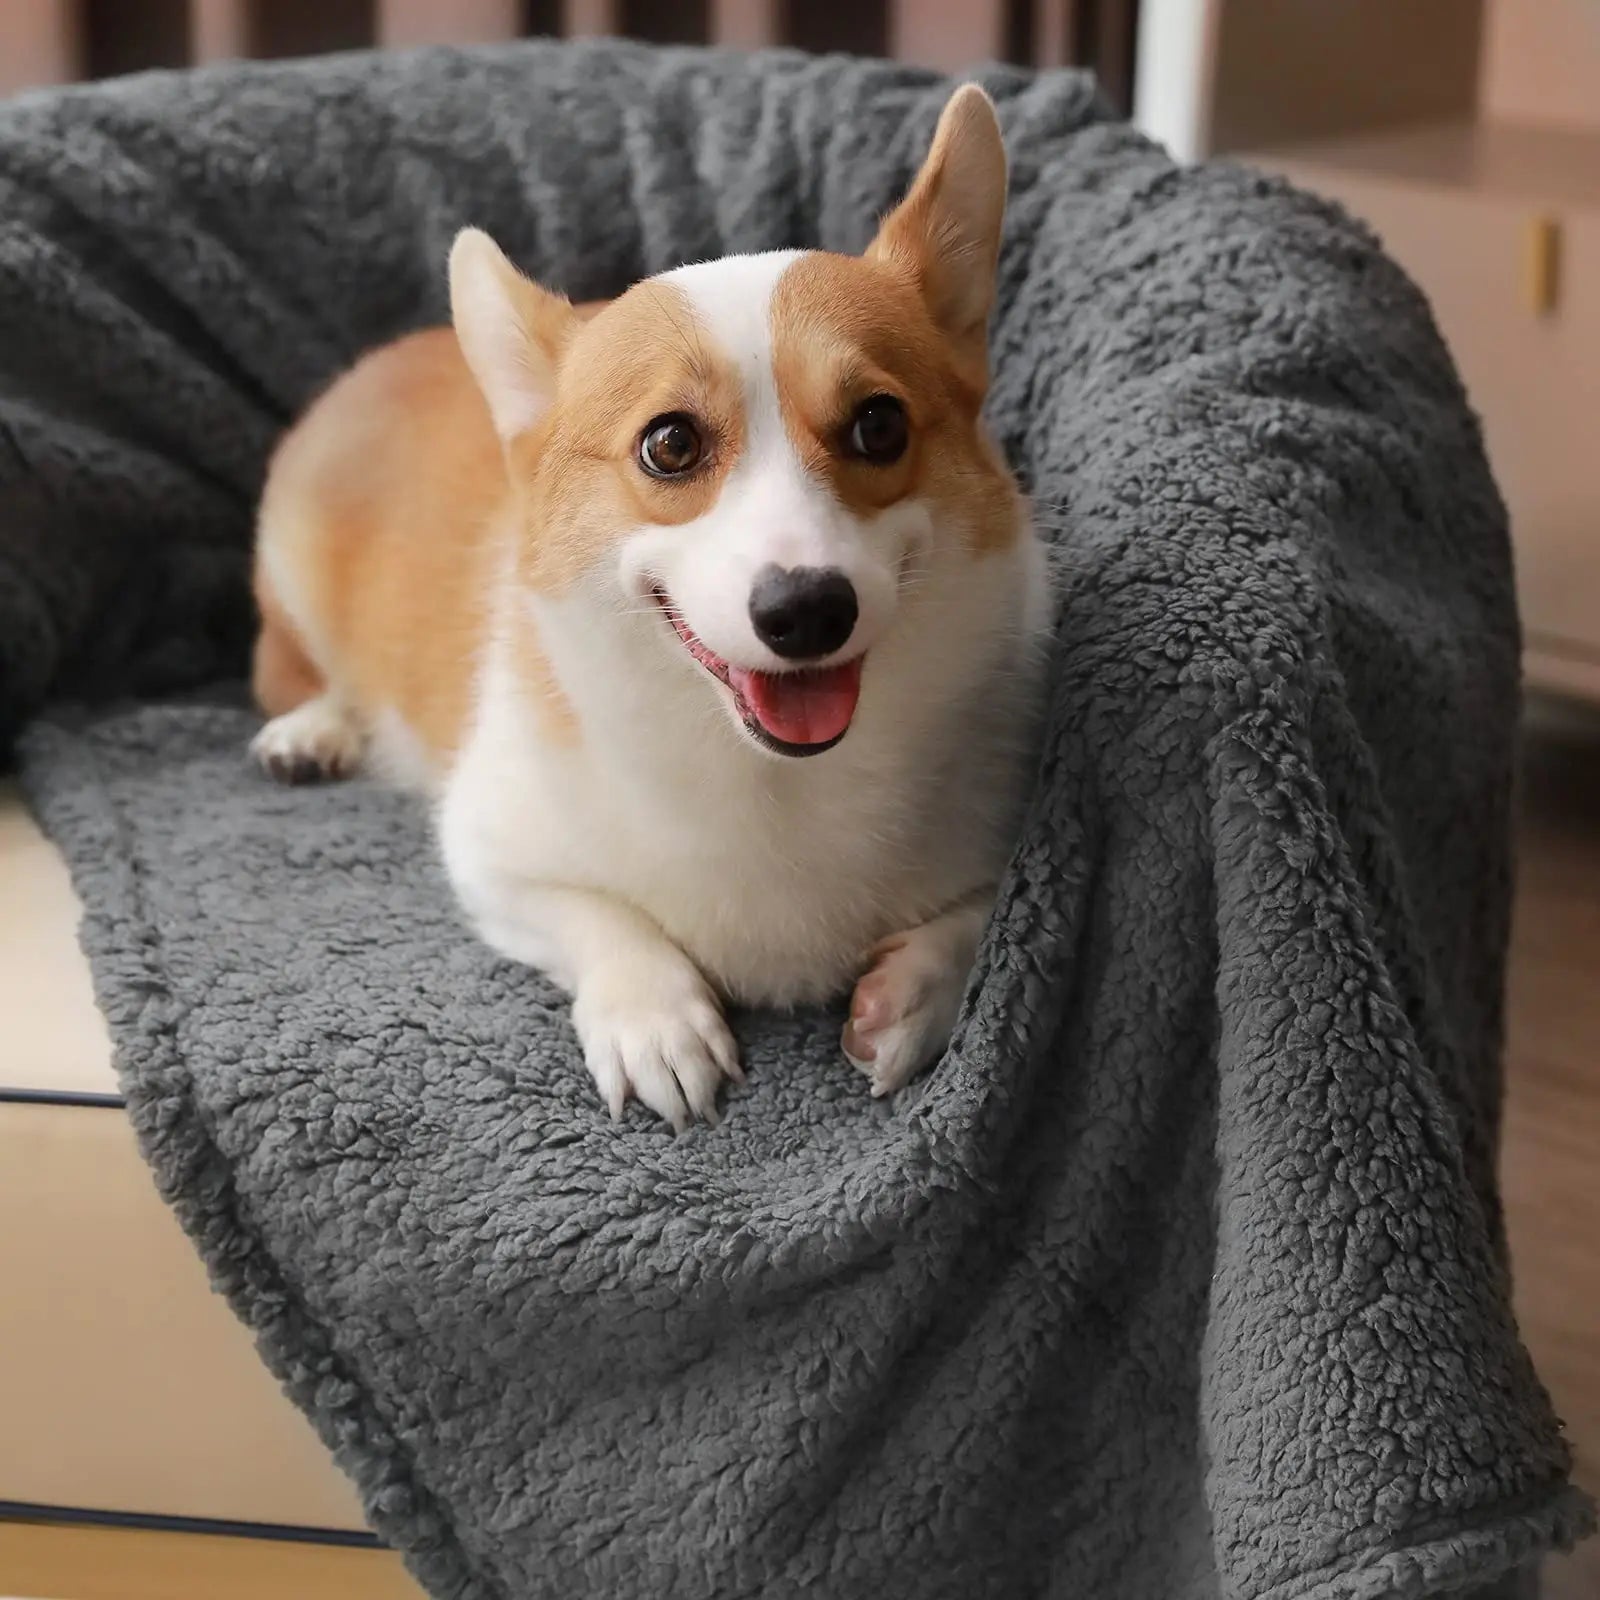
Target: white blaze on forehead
(779,505)
(732,304)
(770,508)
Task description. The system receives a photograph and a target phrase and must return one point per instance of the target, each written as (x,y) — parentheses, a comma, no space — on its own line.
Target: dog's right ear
(945,235)
(512,332)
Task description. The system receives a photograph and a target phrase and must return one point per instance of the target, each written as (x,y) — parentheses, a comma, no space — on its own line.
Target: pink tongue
(801,707)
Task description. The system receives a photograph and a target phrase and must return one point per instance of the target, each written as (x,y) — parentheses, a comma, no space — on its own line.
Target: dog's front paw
(905,1005)
(655,1030)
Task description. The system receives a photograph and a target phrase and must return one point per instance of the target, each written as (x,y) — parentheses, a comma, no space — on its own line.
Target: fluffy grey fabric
(1181,1276)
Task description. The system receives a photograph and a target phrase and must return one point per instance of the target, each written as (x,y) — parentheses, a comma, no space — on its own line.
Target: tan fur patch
(282,676)
(392,500)
(944,237)
(578,475)
(386,503)
(844,329)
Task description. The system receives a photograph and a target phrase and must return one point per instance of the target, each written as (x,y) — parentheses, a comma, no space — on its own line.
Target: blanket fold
(1181,1277)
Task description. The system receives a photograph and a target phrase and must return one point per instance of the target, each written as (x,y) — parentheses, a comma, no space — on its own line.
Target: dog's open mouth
(798,713)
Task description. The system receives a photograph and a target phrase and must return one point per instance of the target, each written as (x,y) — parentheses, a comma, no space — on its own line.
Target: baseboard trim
(158,1522)
(10,1095)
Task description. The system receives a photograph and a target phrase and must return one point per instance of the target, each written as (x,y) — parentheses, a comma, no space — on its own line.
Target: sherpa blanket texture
(1181,1276)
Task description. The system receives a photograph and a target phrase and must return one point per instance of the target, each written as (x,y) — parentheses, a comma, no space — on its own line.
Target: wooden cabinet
(1501,228)
(1467,133)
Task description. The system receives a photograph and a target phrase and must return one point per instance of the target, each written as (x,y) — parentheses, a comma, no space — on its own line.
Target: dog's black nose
(801,612)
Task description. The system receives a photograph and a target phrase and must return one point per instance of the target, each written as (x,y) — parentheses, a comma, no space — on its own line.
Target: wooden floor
(1550,1168)
(52,1562)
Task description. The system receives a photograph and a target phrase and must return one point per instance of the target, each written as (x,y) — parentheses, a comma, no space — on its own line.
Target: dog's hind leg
(312,734)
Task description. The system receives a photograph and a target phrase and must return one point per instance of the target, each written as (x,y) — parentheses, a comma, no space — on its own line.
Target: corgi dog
(709,619)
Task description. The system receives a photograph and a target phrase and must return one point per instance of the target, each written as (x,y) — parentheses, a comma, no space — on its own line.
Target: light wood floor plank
(1550,1163)
(48,1562)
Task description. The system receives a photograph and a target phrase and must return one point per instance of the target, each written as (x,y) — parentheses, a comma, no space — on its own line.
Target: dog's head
(763,453)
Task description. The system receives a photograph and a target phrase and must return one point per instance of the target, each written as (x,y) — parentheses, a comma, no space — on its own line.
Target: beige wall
(1541,62)
(38,42)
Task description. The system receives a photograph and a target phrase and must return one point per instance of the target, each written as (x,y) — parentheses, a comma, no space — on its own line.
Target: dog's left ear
(513,332)
(945,234)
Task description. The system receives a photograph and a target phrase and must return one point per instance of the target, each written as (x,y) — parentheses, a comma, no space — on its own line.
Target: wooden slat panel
(309,27)
(746,24)
(1112,27)
(947,36)
(38,43)
(584,18)
(665,21)
(417,22)
(133,35)
(219,30)
(1055,33)
(861,28)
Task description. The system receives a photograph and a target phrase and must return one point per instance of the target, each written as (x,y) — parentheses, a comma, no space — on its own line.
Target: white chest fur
(774,875)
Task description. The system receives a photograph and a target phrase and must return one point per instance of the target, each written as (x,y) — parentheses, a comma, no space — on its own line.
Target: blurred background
(57,39)
(1467,132)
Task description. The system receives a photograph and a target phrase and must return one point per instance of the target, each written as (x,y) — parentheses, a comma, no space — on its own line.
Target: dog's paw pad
(313,743)
(902,1011)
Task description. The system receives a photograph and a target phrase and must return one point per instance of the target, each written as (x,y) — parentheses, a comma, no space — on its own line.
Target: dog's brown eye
(670,446)
(880,430)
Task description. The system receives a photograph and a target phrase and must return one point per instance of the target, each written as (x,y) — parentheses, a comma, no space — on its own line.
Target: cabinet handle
(1543,265)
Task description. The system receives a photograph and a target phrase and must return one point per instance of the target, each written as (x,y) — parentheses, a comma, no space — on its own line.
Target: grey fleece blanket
(1182,1275)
